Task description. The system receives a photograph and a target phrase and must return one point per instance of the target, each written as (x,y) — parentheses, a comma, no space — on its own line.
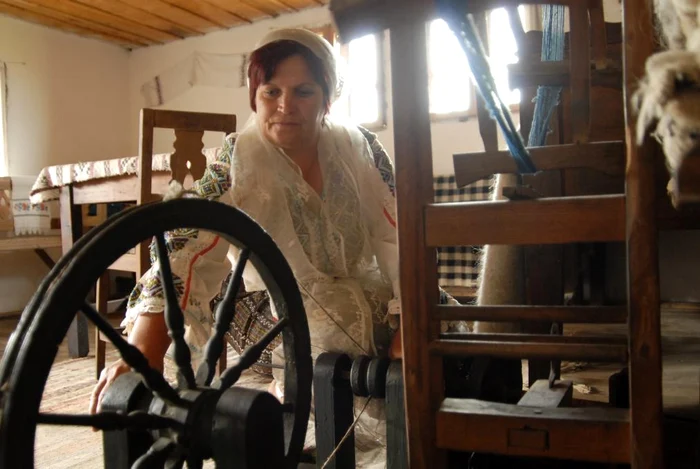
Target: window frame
(329,32)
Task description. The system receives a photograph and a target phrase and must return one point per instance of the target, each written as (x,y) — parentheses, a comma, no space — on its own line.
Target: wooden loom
(436,424)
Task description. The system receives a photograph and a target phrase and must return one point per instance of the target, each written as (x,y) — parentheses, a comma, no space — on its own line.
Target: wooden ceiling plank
(138,15)
(239,9)
(211,12)
(282,6)
(37,14)
(97,16)
(267,10)
(176,15)
(298,5)
(39,19)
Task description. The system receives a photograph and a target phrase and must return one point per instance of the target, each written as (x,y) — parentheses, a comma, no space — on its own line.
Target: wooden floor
(71,382)
(681,363)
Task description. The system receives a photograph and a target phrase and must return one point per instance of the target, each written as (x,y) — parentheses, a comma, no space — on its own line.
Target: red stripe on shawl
(389,219)
(186,295)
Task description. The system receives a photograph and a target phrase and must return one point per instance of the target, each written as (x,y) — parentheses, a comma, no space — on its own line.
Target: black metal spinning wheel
(186,411)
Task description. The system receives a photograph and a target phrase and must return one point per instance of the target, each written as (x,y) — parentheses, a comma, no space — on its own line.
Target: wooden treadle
(585,434)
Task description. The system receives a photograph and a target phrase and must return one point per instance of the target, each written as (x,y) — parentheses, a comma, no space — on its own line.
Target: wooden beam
(516,350)
(18,243)
(599,38)
(423,372)
(211,12)
(556,73)
(580,79)
(96,16)
(280,6)
(239,9)
(548,314)
(131,13)
(301,4)
(605,157)
(53,19)
(534,338)
(71,230)
(643,294)
(568,220)
(206,121)
(262,7)
(182,20)
(582,434)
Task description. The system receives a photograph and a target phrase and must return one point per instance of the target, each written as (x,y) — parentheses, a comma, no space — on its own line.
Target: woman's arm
(150,335)
(199,264)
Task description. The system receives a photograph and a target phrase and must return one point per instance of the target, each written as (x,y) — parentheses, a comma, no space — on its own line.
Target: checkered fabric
(458,265)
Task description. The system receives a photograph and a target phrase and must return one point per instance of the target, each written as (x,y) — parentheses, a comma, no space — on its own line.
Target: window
(452,92)
(362,69)
(364,85)
(4,170)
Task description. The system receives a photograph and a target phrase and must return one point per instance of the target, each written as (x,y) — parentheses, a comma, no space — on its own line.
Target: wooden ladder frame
(436,424)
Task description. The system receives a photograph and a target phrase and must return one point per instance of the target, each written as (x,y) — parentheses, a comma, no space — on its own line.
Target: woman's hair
(264,62)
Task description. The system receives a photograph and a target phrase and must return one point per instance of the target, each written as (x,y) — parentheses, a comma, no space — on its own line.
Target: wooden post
(646,441)
(71,230)
(102,303)
(145,174)
(423,373)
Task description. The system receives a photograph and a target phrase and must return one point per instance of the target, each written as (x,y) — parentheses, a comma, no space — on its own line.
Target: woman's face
(290,106)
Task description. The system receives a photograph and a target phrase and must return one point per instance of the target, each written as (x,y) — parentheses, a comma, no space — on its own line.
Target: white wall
(67,102)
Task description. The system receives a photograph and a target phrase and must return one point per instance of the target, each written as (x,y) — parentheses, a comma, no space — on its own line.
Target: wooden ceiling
(139,23)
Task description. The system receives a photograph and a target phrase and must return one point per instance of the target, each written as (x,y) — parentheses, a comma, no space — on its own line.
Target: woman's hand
(150,336)
(107,377)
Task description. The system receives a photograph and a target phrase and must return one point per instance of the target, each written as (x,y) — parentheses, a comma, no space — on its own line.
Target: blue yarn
(462,25)
(547,97)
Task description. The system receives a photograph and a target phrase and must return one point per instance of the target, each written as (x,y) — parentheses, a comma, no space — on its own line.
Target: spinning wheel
(197,419)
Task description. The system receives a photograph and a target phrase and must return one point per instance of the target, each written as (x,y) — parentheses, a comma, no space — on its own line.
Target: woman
(314,186)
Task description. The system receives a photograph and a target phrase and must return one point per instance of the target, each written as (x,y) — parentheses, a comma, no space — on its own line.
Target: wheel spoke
(134,358)
(224,315)
(251,355)
(156,455)
(137,420)
(174,317)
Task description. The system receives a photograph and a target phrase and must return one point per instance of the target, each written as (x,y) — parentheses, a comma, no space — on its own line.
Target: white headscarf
(320,47)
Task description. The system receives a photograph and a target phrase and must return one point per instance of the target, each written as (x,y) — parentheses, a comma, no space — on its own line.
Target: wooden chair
(437,424)
(187,160)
